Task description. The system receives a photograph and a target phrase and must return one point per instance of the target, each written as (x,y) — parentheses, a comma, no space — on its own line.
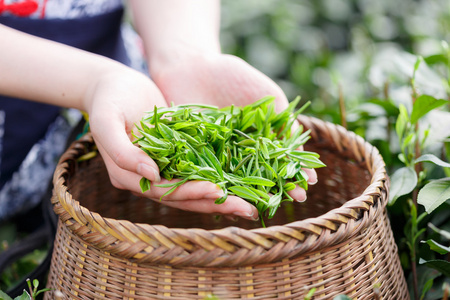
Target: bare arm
(40,70)
(173,29)
(181,38)
(115,97)
(32,67)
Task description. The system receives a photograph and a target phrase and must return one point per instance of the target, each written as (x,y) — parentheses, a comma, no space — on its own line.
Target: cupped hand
(221,80)
(115,104)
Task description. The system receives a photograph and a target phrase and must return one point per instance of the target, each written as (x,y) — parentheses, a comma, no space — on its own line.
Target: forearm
(172,29)
(40,70)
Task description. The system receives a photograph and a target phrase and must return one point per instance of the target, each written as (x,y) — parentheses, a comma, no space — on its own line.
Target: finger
(298,194)
(125,179)
(232,206)
(115,143)
(312,176)
(198,196)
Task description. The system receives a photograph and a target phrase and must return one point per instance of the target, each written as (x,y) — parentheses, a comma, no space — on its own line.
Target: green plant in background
(20,269)
(361,51)
(412,181)
(26,295)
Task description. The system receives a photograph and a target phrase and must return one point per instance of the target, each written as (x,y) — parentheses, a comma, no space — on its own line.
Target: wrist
(106,77)
(166,56)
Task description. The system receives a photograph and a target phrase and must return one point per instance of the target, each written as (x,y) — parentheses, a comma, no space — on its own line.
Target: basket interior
(342,180)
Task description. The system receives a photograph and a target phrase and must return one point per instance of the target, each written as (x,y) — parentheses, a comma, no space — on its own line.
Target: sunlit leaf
(244,193)
(403,181)
(254,180)
(432,158)
(434,193)
(442,266)
(423,105)
(145,184)
(4,296)
(435,246)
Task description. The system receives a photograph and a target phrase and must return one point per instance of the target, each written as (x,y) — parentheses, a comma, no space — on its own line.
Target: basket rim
(137,241)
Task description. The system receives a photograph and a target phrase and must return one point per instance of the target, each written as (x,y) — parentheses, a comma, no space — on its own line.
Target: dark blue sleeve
(26,122)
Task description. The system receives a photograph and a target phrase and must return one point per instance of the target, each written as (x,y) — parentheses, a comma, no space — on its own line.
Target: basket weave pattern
(112,245)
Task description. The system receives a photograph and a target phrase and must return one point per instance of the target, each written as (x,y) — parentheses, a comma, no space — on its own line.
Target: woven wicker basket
(113,245)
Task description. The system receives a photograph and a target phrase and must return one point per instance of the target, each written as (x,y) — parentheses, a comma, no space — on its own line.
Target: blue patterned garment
(33,135)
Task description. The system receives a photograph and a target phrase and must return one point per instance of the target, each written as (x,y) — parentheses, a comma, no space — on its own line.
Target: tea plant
(420,185)
(248,151)
(26,295)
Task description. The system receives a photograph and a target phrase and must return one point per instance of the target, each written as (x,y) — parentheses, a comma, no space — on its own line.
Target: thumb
(112,140)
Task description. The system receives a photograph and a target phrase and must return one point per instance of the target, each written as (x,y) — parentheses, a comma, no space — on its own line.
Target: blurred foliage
(366,52)
(310,48)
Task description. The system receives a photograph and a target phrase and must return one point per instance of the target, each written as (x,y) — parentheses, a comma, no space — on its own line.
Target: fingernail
(313,183)
(148,172)
(215,195)
(303,200)
(247,215)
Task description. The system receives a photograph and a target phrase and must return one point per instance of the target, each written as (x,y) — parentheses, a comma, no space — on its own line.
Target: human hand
(220,80)
(118,101)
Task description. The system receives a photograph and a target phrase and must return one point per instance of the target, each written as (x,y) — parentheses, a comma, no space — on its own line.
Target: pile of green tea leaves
(248,151)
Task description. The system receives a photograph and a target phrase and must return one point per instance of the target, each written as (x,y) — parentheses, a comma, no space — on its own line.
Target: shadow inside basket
(342,180)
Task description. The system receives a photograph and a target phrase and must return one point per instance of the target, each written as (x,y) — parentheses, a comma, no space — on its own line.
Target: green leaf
(408,140)
(432,158)
(403,181)
(442,232)
(438,58)
(274,202)
(24,296)
(165,131)
(310,294)
(426,287)
(145,184)
(423,105)
(175,186)
(150,139)
(442,266)
(262,101)
(289,186)
(209,173)
(306,159)
(433,194)
(42,291)
(244,193)
(4,296)
(417,64)
(255,180)
(35,283)
(435,246)
(212,161)
(388,106)
(248,120)
(402,121)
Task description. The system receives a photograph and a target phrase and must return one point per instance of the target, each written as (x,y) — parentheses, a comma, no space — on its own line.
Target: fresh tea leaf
(403,181)
(423,105)
(4,296)
(434,193)
(435,246)
(432,158)
(145,184)
(255,180)
(244,193)
(248,151)
(441,265)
